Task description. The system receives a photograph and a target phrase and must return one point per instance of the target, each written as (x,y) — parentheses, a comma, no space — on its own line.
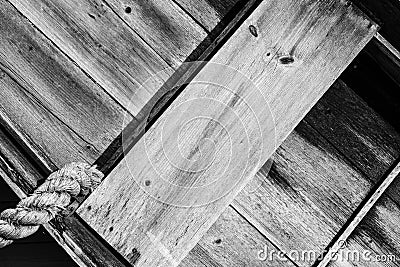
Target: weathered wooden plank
(288,53)
(375,242)
(356,130)
(22,177)
(208,12)
(309,193)
(51,101)
(53,140)
(94,37)
(232,241)
(358,215)
(317,181)
(171,88)
(172,33)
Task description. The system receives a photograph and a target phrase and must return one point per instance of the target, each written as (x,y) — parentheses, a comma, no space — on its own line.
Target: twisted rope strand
(47,201)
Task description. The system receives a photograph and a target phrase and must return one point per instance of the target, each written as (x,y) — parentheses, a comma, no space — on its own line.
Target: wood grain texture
(53,103)
(305,32)
(172,87)
(232,241)
(71,234)
(208,12)
(353,222)
(356,130)
(94,37)
(376,239)
(318,180)
(309,193)
(163,25)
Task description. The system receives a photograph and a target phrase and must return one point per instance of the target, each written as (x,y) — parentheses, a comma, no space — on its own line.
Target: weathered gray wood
(207,12)
(318,180)
(22,177)
(365,207)
(232,241)
(163,25)
(378,234)
(356,130)
(309,193)
(94,37)
(303,33)
(51,102)
(369,142)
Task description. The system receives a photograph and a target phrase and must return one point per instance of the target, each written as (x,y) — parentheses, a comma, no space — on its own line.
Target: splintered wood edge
(359,215)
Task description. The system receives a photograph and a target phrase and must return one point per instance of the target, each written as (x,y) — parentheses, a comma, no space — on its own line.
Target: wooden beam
(293,51)
(54,107)
(115,52)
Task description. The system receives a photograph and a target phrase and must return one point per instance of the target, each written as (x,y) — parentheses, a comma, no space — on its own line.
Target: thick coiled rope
(47,201)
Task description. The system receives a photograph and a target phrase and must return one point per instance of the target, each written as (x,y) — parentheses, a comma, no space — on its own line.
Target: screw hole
(128,10)
(111,229)
(147,182)
(218,241)
(89,208)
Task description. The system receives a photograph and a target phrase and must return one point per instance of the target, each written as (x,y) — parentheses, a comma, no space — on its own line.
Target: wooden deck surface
(68,72)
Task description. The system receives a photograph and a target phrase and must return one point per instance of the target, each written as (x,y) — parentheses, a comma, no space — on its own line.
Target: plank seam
(366,205)
(192,17)
(262,234)
(133,30)
(5,69)
(70,59)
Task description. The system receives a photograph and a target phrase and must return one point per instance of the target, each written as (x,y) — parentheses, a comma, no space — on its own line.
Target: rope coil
(47,201)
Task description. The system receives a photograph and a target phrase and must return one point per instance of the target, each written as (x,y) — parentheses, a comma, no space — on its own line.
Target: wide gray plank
(100,43)
(172,33)
(208,12)
(232,241)
(48,100)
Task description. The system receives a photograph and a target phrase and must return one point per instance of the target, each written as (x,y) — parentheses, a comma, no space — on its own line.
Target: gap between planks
(360,213)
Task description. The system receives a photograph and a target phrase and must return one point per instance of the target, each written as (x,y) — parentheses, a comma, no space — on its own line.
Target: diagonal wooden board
(154,208)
